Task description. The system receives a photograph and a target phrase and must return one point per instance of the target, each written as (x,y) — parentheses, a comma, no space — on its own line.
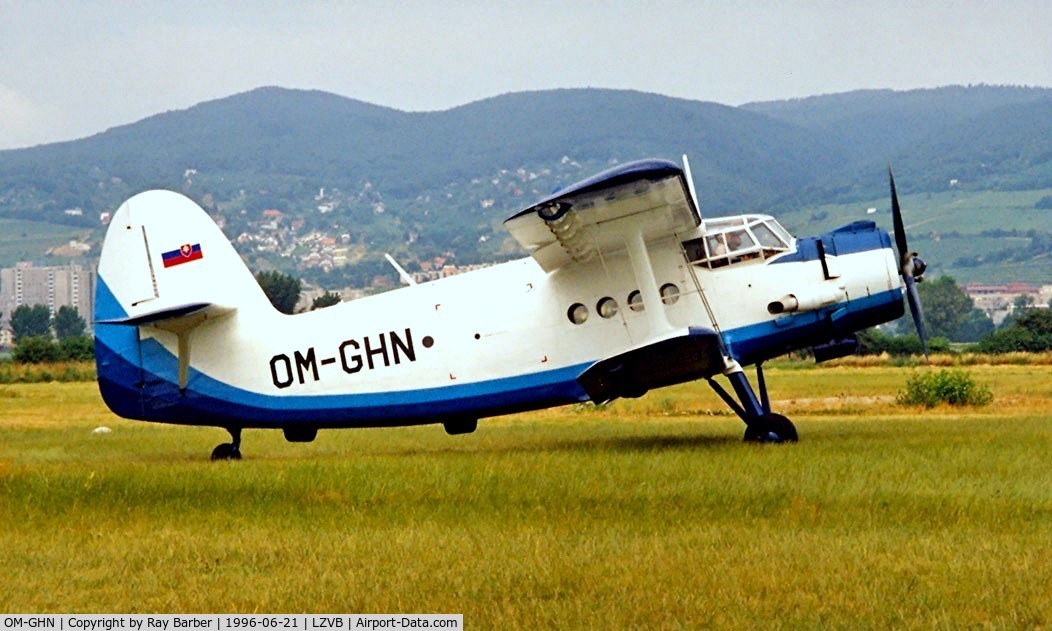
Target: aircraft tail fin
(162,251)
(165,267)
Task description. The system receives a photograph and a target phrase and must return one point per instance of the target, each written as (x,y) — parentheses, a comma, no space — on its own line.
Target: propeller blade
(910,266)
(896,220)
(918,313)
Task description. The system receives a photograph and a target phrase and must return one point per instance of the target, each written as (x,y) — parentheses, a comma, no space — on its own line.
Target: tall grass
(936,359)
(646,513)
(62,372)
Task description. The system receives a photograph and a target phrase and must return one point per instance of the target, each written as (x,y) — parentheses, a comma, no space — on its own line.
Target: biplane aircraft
(626,289)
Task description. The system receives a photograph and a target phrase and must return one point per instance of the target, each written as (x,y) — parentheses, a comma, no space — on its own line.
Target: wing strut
(648,287)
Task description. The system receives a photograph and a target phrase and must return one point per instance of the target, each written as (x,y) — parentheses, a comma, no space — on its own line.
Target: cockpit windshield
(738,239)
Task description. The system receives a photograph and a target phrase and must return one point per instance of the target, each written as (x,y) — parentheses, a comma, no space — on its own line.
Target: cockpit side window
(739,240)
(779,230)
(733,240)
(767,237)
(716,245)
(694,249)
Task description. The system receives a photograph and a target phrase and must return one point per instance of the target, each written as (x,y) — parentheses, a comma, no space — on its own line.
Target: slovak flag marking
(187,252)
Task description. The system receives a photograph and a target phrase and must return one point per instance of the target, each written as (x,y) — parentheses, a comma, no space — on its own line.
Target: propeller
(911,266)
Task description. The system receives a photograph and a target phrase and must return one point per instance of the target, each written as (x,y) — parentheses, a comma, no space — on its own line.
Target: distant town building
(54,287)
(998,301)
(438,268)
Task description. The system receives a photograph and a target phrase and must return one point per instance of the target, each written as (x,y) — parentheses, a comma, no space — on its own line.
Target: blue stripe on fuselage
(154,395)
(765,340)
(207,401)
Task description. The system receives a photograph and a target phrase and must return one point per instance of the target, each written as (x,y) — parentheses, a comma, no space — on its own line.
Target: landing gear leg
(761,425)
(231,450)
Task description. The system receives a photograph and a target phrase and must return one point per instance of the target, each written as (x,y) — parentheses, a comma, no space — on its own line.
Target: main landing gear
(761,425)
(231,450)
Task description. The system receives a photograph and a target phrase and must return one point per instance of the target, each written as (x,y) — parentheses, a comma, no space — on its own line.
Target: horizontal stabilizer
(181,321)
(159,317)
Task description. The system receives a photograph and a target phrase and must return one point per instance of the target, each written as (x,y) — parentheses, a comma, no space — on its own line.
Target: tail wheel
(231,450)
(226,451)
(771,428)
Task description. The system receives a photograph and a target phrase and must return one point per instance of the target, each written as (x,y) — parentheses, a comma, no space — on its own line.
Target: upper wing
(593,215)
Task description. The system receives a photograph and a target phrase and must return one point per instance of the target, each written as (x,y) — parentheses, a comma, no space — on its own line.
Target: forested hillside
(343,181)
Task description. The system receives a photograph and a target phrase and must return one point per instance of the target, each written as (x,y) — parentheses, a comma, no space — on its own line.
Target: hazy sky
(72,69)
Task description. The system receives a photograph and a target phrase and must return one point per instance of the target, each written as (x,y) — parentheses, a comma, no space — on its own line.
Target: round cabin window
(577,313)
(635,301)
(669,294)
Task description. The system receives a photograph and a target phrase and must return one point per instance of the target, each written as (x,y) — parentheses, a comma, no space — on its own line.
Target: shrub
(42,350)
(36,350)
(955,387)
(77,348)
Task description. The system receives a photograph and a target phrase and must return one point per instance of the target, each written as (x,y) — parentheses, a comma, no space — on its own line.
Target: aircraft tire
(226,451)
(771,428)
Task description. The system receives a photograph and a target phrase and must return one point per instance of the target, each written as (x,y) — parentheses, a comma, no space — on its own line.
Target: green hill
(427,184)
(970,134)
(282,139)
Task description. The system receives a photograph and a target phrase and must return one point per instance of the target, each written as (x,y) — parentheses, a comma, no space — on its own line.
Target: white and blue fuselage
(198,343)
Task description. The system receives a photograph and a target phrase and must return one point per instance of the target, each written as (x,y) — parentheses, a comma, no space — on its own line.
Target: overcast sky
(70,69)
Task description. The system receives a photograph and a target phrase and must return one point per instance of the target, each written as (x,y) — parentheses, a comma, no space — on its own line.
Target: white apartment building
(69,285)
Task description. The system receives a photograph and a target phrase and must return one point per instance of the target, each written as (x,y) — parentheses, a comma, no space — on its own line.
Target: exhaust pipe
(807,300)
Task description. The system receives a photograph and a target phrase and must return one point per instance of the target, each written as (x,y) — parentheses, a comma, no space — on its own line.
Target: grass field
(645,513)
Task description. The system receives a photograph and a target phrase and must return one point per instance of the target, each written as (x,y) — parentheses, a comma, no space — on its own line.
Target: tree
(327,299)
(975,326)
(1022,304)
(282,289)
(29,322)
(947,309)
(68,323)
(1031,332)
